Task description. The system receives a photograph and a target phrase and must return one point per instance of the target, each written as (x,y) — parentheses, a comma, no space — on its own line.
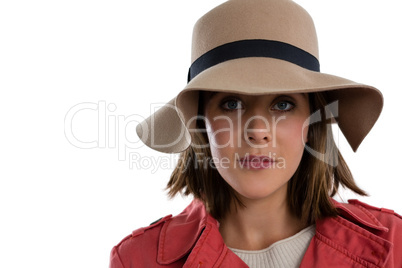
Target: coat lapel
(348,240)
(194,234)
(179,235)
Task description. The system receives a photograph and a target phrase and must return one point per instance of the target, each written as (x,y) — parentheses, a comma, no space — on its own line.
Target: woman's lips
(256,162)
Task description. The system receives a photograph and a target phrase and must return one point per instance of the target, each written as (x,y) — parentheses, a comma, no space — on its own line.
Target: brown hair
(310,189)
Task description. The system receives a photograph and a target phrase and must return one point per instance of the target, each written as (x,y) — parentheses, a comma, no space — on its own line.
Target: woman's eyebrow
(210,95)
(214,94)
(304,95)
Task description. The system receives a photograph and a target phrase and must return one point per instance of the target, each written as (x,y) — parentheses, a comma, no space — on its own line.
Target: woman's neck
(259,224)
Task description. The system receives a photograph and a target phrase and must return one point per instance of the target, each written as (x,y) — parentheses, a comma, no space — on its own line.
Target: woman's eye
(232,105)
(283,106)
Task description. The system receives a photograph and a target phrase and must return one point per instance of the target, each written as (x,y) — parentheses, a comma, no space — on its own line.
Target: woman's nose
(257,130)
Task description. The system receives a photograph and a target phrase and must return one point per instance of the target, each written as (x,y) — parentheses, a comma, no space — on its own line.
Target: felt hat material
(258,47)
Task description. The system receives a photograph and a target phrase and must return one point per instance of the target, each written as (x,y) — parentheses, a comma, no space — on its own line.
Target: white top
(286,253)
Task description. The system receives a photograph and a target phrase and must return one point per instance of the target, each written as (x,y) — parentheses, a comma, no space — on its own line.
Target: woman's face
(256,141)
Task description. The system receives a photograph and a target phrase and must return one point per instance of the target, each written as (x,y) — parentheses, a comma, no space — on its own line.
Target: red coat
(362,236)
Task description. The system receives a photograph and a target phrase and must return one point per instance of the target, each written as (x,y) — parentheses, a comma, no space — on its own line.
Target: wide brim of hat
(359,105)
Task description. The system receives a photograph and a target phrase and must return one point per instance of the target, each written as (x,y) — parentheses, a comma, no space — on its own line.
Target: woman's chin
(258,192)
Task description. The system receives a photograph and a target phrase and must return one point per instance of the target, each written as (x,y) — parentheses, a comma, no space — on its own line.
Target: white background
(63,206)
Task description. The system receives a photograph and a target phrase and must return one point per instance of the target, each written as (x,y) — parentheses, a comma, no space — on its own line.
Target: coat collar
(356,234)
(354,212)
(180,234)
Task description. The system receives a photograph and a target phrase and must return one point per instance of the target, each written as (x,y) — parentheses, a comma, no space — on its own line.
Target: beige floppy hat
(258,47)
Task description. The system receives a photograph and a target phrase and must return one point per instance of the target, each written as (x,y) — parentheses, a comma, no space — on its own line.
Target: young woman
(257,153)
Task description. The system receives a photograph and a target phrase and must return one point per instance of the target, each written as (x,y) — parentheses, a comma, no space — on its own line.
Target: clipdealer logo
(113,129)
